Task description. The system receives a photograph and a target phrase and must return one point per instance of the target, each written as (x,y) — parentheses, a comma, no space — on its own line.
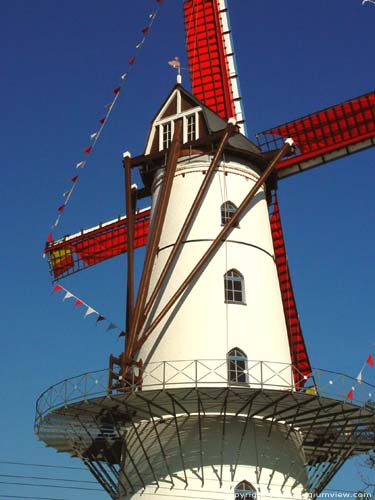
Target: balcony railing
(166,375)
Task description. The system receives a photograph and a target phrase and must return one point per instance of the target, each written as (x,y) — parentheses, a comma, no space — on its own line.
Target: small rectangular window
(167,135)
(191,128)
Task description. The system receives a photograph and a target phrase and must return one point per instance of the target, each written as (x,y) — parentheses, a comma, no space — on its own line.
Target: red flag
(74,179)
(100,318)
(146,30)
(131,61)
(88,150)
(370,360)
(350,394)
(57,288)
(78,303)
(159,1)
(122,334)
(50,238)
(117,90)
(102,120)
(61,208)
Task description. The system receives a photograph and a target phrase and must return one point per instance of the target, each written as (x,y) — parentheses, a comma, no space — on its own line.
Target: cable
(51,486)
(6,496)
(42,465)
(49,478)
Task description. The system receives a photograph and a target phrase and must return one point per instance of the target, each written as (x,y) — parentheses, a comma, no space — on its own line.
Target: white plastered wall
(201,326)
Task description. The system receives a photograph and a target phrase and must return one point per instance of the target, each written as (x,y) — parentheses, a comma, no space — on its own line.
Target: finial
(175,63)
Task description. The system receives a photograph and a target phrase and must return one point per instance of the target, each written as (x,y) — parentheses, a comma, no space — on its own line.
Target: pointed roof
(213,122)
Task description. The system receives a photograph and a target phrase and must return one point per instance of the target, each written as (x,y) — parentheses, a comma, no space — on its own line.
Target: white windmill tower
(214,396)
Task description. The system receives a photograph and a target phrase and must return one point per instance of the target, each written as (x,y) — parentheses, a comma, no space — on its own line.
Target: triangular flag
(50,238)
(100,318)
(131,61)
(80,164)
(123,77)
(370,360)
(146,30)
(116,90)
(102,120)
(350,394)
(88,150)
(159,1)
(67,193)
(74,179)
(139,45)
(359,377)
(78,302)
(68,295)
(111,326)
(92,136)
(152,16)
(56,223)
(122,334)
(61,208)
(57,288)
(89,311)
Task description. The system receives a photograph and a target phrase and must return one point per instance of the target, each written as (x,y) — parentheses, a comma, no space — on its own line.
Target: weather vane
(176,64)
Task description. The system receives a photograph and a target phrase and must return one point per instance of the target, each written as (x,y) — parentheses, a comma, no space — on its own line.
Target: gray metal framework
(82,417)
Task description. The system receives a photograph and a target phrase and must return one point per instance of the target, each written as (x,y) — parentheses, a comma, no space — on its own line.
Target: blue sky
(60,62)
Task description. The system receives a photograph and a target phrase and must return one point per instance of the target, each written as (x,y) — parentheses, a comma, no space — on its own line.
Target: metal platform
(81,417)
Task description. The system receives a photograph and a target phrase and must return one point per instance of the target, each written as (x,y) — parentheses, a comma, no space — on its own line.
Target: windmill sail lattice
(212,64)
(325,135)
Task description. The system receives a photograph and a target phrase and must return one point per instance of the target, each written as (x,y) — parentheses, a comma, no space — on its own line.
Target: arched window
(227,211)
(237,366)
(245,491)
(234,287)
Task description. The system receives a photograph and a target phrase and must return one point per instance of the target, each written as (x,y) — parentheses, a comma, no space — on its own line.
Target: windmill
(265,423)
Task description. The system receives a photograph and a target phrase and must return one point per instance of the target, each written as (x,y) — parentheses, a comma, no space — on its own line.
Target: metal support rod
(130,233)
(229,131)
(200,439)
(160,444)
(93,458)
(218,241)
(144,452)
(244,429)
(156,229)
(249,401)
(223,430)
(179,442)
(290,409)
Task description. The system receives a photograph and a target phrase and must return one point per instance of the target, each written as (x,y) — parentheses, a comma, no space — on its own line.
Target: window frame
(234,284)
(245,486)
(227,210)
(237,366)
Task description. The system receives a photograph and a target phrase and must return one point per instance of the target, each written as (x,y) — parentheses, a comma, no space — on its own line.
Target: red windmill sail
(91,246)
(298,351)
(211,60)
(326,135)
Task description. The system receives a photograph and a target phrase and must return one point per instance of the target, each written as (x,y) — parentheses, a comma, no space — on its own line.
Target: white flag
(80,164)
(68,295)
(89,311)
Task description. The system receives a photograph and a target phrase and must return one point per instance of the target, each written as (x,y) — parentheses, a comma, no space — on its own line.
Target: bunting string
(78,303)
(94,137)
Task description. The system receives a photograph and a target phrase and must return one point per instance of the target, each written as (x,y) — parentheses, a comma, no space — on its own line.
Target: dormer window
(166,135)
(191,127)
